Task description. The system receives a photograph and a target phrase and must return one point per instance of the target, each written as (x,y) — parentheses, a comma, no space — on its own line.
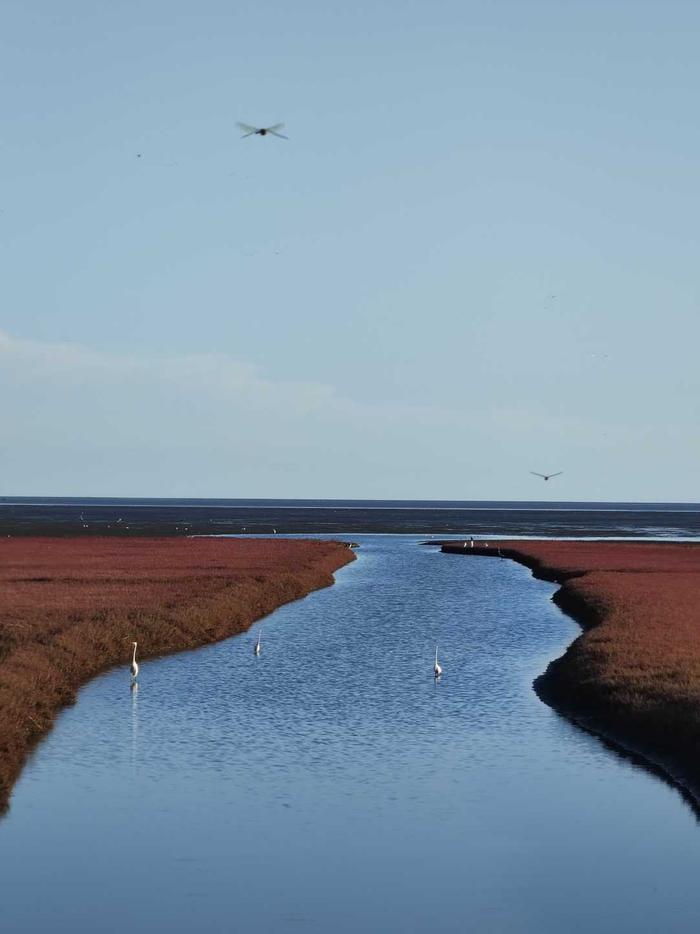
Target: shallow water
(332,785)
(90,516)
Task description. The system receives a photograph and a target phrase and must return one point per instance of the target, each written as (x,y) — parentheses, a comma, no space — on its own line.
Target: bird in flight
(546,476)
(262,130)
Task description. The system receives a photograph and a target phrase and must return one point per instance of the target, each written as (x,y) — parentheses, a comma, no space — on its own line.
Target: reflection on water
(134,689)
(333,784)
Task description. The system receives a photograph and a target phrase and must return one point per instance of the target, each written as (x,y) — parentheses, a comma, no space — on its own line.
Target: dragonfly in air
(262,130)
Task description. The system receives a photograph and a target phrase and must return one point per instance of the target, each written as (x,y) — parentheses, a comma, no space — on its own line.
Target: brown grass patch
(70,608)
(634,673)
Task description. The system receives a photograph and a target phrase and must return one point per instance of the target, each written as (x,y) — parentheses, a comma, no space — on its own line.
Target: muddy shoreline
(342,518)
(633,675)
(69,609)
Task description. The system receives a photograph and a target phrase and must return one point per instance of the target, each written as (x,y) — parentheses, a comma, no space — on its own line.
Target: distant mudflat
(160,517)
(634,674)
(70,608)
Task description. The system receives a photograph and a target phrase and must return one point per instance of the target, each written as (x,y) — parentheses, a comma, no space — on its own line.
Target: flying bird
(546,476)
(262,130)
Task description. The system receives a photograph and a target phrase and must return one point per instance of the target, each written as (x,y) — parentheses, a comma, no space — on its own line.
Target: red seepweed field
(634,673)
(70,608)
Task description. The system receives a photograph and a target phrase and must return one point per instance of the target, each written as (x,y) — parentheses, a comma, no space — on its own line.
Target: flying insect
(262,130)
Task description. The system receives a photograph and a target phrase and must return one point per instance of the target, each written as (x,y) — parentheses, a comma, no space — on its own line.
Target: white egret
(437,669)
(134,666)
(258,647)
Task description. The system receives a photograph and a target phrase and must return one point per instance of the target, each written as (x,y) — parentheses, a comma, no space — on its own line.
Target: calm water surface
(91,516)
(332,785)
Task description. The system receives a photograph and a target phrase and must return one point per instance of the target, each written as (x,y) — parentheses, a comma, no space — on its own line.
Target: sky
(475,256)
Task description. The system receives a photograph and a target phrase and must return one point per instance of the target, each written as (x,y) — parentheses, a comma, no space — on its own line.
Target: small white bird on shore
(437,668)
(258,647)
(134,668)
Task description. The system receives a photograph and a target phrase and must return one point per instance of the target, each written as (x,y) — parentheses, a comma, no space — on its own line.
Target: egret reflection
(134,689)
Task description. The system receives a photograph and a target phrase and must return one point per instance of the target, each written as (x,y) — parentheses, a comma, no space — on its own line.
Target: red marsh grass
(634,673)
(70,608)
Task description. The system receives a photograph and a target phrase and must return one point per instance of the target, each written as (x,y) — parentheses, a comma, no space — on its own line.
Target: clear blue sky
(476,255)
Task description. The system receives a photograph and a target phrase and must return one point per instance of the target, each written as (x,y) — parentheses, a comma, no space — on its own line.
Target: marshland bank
(232,784)
(633,675)
(70,608)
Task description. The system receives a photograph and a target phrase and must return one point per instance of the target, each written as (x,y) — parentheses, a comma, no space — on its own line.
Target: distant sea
(449,518)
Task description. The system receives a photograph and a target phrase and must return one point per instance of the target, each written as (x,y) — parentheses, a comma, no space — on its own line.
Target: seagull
(262,130)
(546,476)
